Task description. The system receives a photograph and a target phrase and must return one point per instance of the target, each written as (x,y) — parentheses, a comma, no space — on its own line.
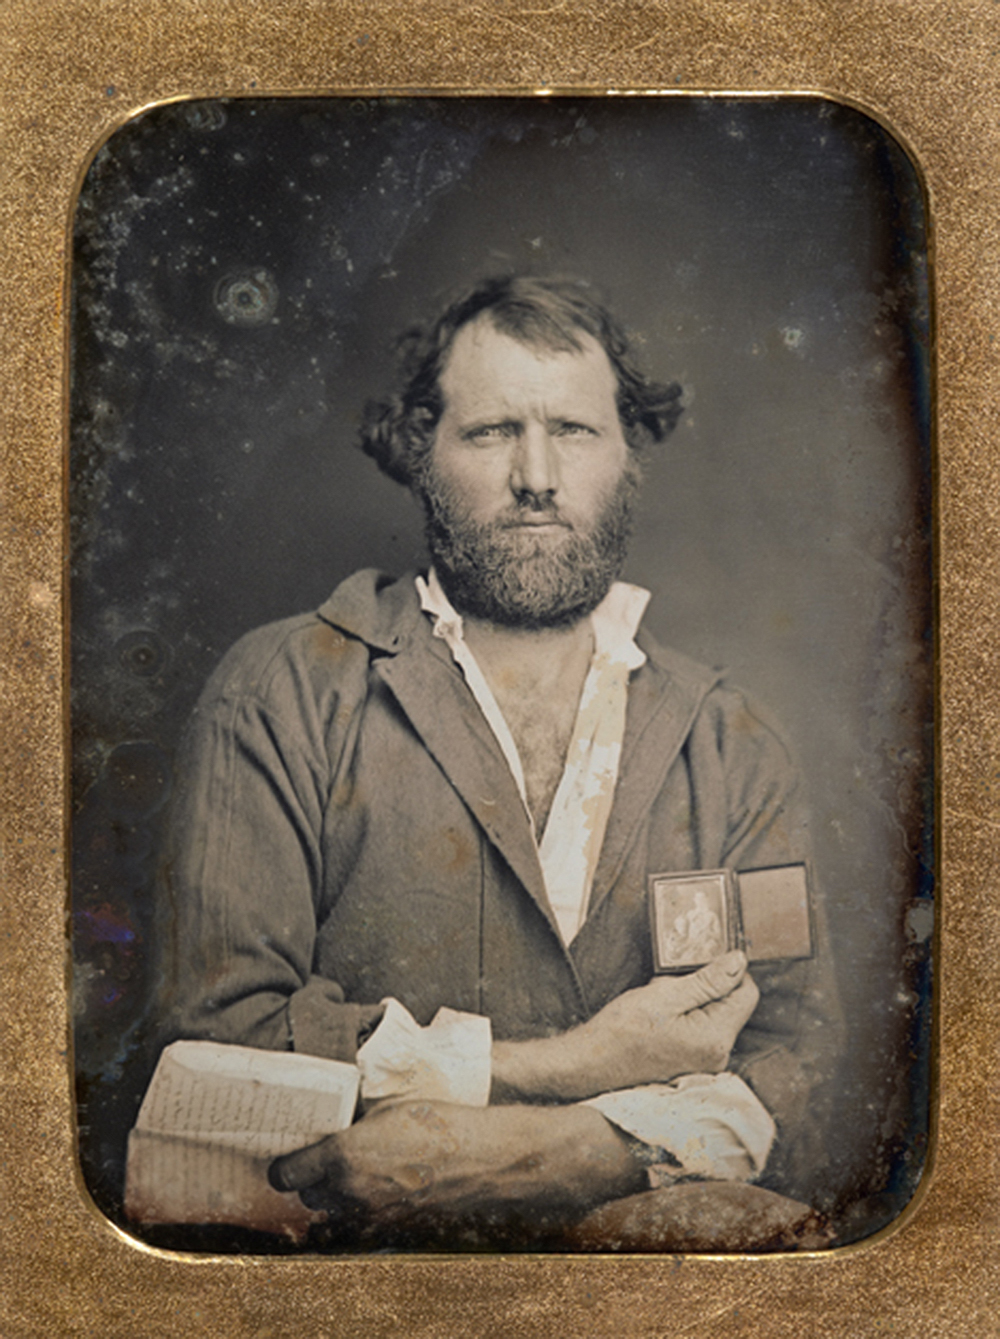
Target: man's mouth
(537,521)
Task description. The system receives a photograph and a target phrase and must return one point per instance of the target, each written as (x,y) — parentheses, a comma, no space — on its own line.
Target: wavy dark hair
(398,432)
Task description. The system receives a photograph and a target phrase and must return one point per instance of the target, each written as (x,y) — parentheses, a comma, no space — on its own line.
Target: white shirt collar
(615,621)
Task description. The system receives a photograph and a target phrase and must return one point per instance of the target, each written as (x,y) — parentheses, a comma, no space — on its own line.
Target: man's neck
(533,661)
(536,679)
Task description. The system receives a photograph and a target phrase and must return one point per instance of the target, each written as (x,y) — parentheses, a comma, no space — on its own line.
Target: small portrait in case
(697,915)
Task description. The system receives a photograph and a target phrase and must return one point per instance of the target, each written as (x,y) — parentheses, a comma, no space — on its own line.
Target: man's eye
(492,432)
(575,430)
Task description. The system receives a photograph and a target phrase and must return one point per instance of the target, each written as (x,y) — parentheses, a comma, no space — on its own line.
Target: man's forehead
(483,359)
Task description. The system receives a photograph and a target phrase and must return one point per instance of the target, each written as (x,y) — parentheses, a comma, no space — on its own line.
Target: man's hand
(431,1164)
(673,1025)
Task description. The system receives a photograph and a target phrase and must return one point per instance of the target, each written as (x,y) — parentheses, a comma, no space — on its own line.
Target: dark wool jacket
(346,827)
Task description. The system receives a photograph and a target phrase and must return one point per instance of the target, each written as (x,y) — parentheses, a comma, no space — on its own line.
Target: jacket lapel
(421,675)
(433,694)
(663,702)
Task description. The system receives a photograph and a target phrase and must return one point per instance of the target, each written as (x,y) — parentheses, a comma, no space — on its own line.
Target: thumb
(714,982)
(307,1166)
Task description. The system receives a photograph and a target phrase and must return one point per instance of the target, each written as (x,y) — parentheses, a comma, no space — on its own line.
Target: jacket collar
(384,612)
(664,697)
(377,609)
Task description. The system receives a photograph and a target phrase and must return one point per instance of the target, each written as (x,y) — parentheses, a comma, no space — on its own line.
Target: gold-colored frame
(71,71)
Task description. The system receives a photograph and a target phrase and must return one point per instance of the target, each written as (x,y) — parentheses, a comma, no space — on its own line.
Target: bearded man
(449,791)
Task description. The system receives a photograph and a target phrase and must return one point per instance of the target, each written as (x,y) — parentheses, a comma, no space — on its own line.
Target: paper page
(181,1179)
(201,1086)
(211,1122)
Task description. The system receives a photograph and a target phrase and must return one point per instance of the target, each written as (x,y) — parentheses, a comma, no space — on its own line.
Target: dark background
(241,271)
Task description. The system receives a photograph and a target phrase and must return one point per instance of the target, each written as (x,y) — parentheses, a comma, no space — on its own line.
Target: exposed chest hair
(542,727)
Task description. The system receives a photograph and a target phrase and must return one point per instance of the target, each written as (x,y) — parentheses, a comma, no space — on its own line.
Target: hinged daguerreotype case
(765,913)
(433,795)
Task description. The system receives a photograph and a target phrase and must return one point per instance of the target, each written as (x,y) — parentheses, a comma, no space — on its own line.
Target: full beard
(512,576)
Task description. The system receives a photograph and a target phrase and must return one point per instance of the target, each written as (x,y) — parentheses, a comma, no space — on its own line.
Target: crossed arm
(531,1151)
(247,821)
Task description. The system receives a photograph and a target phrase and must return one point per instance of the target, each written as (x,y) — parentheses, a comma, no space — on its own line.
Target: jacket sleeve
(791,1049)
(242,871)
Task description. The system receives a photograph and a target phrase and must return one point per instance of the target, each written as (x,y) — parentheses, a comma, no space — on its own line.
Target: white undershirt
(574,831)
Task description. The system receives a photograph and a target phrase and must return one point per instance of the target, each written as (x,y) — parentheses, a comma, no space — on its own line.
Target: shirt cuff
(711,1125)
(447,1061)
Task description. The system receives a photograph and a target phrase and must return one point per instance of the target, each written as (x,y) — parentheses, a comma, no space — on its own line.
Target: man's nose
(535,466)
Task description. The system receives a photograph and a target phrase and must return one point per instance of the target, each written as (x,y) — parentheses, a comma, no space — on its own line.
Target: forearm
(437,1159)
(567,1068)
(652,1034)
(416,1157)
